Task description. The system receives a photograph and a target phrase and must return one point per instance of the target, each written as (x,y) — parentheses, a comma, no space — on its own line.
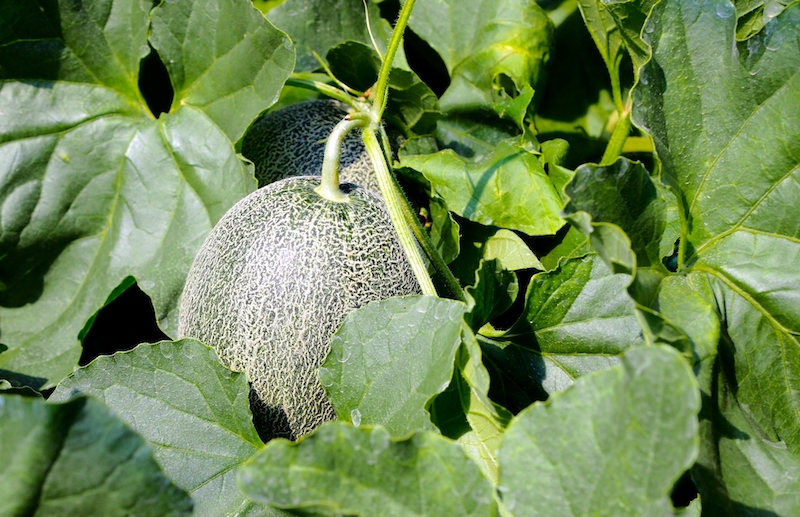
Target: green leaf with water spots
(343,470)
(95,189)
(192,411)
(625,435)
(726,125)
(79,458)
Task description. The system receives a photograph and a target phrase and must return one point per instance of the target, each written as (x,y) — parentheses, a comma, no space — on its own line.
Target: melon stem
(382,85)
(395,204)
(329,183)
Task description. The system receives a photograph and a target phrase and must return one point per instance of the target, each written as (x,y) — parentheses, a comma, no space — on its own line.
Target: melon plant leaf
(709,115)
(605,33)
(492,49)
(577,319)
(96,190)
(412,107)
(740,470)
(390,358)
(630,17)
(485,243)
(623,194)
(754,14)
(343,470)
(486,419)
(191,409)
(494,291)
(580,308)
(612,444)
(43,446)
(319,25)
(223,58)
(473,135)
(100,44)
(508,189)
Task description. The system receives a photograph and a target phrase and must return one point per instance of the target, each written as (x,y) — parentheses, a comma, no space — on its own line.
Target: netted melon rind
(275,279)
(291,142)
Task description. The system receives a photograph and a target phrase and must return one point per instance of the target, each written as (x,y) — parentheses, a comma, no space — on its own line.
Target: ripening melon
(291,142)
(274,280)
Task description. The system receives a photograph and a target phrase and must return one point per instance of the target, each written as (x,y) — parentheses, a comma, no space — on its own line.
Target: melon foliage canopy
(613,184)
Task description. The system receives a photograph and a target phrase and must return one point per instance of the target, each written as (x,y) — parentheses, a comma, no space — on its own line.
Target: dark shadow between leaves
(126,320)
(22,381)
(270,422)
(516,374)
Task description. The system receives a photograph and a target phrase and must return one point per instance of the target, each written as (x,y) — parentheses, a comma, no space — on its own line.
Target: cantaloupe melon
(277,276)
(291,142)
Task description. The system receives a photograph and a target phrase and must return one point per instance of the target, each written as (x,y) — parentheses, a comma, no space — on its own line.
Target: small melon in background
(291,142)
(274,280)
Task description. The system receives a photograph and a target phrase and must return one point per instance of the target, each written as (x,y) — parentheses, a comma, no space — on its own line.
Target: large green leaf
(508,189)
(191,409)
(577,319)
(341,470)
(390,358)
(94,189)
(579,308)
(623,194)
(613,444)
(493,49)
(223,58)
(725,118)
(319,25)
(78,458)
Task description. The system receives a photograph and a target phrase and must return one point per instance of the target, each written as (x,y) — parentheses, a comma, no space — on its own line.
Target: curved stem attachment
(329,185)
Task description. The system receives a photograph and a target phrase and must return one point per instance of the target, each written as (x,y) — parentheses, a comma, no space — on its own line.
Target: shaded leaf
(492,50)
(411,107)
(484,243)
(473,135)
(341,470)
(194,412)
(223,58)
(44,445)
(605,33)
(486,419)
(726,126)
(612,444)
(320,25)
(630,17)
(95,189)
(492,293)
(390,358)
(622,194)
(576,101)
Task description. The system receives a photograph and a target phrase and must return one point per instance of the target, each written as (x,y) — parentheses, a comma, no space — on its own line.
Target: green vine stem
(394,204)
(410,233)
(382,85)
(422,236)
(325,89)
(618,138)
